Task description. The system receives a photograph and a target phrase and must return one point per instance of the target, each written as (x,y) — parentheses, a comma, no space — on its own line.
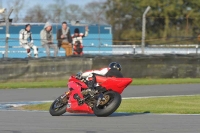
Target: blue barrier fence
(98,40)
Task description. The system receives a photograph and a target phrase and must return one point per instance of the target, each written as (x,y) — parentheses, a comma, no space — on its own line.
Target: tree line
(168,21)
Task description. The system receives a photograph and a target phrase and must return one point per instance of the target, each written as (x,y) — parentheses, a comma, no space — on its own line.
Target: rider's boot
(91,87)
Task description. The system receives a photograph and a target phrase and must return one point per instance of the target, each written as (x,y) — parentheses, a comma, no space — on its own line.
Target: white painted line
(156,96)
(46,101)
(174,114)
(154,113)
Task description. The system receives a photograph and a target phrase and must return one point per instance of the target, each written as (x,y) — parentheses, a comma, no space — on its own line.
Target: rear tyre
(58,107)
(109,105)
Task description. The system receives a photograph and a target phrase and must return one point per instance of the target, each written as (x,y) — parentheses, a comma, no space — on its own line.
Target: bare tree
(59,11)
(94,13)
(73,12)
(18,6)
(36,14)
(55,12)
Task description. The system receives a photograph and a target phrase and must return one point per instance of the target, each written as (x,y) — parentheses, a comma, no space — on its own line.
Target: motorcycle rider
(113,70)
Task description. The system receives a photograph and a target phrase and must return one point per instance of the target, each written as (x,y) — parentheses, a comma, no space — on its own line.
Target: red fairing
(73,78)
(75,86)
(112,83)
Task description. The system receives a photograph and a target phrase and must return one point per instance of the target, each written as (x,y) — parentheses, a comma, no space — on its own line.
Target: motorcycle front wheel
(111,102)
(58,107)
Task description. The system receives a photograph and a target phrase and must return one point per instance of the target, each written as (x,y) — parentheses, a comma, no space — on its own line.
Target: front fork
(66,94)
(64,97)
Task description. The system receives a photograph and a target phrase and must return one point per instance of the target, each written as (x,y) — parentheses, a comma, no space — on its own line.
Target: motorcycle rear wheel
(58,107)
(109,105)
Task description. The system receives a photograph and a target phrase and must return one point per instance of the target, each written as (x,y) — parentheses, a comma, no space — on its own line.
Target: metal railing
(114,50)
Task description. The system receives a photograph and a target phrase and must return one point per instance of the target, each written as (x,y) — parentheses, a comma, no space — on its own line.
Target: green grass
(38,84)
(62,83)
(43,106)
(178,105)
(149,81)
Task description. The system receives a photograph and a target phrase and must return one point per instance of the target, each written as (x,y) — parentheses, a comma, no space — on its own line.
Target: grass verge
(34,84)
(178,105)
(62,83)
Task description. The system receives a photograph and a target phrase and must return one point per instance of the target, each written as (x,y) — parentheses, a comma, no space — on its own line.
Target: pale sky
(42,2)
(30,3)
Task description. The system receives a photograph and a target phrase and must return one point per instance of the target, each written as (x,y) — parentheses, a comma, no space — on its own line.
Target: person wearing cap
(64,39)
(26,41)
(77,39)
(46,37)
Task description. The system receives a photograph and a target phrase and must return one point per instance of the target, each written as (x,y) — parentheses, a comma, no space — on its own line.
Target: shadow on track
(121,114)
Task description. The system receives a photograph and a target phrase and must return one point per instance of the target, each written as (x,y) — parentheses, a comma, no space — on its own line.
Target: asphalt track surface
(42,122)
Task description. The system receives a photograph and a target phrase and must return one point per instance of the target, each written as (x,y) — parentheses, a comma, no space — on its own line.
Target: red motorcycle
(101,101)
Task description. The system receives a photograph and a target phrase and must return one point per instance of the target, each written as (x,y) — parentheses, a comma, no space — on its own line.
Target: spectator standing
(64,39)
(46,37)
(26,41)
(77,39)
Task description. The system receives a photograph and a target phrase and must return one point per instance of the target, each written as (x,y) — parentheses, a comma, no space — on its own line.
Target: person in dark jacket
(64,39)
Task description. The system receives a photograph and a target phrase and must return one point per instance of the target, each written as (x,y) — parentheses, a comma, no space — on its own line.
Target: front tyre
(108,105)
(58,107)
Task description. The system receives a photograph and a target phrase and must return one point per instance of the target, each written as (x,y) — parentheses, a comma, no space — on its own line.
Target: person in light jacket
(46,37)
